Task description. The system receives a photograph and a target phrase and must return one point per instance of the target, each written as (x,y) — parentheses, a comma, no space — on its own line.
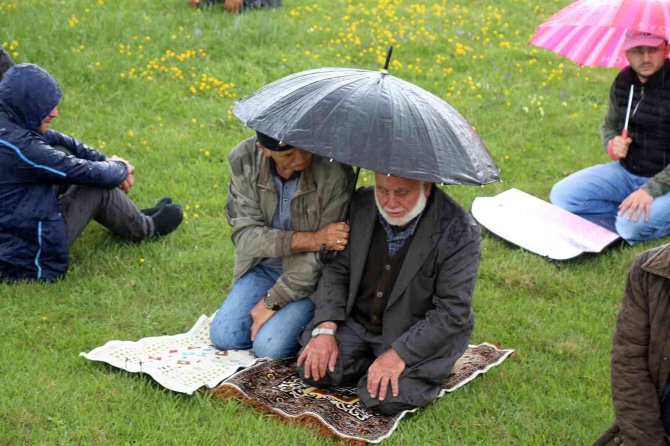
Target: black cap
(270,143)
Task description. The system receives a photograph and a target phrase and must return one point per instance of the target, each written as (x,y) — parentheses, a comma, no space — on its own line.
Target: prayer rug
(540,227)
(275,387)
(182,363)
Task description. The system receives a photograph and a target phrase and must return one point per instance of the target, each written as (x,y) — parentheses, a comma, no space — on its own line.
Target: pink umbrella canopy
(591,32)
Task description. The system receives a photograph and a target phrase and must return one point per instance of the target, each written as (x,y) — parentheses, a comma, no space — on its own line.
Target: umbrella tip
(388,59)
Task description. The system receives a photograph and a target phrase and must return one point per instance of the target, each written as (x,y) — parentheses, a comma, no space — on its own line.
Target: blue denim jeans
(278,337)
(595,194)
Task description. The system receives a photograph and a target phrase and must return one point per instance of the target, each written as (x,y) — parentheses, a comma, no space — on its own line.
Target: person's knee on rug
(412,393)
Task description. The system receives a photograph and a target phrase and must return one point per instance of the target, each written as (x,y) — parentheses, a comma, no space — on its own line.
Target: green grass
(538,113)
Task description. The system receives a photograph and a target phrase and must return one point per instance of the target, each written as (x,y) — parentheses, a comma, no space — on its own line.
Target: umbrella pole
(624,133)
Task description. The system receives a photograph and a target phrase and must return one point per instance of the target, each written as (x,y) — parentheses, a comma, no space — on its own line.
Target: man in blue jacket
(48,195)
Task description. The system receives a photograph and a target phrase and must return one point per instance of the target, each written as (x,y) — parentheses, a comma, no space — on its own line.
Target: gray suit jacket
(428,318)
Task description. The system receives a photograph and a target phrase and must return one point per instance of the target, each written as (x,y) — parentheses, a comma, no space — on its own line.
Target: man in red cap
(630,194)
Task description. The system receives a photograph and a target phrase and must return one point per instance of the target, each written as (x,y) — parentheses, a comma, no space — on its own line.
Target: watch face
(271,304)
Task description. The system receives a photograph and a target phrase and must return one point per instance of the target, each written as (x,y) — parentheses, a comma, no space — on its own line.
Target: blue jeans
(278,337)
(595,194)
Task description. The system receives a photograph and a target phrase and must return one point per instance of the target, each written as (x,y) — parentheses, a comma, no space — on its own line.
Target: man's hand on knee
(320,354)
(260,314)
(384,371)
(635,204)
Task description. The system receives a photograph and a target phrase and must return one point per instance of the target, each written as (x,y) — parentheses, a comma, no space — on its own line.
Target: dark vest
(379,276)
(649,126)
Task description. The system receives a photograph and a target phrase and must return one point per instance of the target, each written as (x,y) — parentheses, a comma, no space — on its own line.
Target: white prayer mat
(182,363)
(540,227)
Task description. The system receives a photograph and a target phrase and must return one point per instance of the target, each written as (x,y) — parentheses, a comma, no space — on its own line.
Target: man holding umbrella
(393,310)
(631,194)
(285,205)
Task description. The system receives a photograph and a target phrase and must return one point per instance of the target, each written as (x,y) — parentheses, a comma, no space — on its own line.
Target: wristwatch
(328,331)
(270,303)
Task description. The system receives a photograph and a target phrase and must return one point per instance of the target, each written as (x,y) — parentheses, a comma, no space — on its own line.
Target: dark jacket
(33,241)
(641,353)
(428,318)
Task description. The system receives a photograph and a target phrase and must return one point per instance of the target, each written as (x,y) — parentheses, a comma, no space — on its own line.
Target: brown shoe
(193,3)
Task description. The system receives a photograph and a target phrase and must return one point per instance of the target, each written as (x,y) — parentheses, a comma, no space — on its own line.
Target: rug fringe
(303,420)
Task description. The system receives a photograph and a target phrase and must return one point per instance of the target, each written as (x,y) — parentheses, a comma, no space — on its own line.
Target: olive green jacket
(321,197)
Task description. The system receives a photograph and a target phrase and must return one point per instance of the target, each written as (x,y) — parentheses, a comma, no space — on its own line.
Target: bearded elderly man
(393,310)
(631,194)
(284,205)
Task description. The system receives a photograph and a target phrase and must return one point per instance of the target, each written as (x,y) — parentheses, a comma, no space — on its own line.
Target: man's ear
(427,187)
(266,152)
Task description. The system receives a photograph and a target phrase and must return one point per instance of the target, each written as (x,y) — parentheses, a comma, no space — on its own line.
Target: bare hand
(260,314)
(130,178)
(319,353)
(620,146)
(384,371)
(334,235)
(635,204)
(233,6)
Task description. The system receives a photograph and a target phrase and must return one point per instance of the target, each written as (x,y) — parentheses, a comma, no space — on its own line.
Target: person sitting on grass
(237,6)
(631,194)
(52,185)
(394,309)
(640,351)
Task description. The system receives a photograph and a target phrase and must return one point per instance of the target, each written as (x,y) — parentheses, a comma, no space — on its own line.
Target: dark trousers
(109,207)
(358,348)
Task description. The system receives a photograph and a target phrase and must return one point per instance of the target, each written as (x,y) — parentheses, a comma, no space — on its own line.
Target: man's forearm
(304,241)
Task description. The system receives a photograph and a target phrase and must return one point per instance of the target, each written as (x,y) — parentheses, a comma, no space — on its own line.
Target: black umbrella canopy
(372,120)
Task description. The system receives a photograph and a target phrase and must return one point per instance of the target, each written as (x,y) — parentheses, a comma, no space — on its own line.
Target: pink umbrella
(591,32)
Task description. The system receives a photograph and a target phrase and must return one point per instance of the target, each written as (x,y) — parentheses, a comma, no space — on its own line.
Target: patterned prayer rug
(274,386)
(182,363)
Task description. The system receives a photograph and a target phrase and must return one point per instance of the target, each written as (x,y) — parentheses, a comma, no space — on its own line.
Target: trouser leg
(594,193)
(657,225)
(109,207)
(412,392)
(231,325)
(354,358)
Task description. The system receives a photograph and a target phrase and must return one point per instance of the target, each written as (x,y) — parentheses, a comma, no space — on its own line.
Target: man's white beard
(409,216)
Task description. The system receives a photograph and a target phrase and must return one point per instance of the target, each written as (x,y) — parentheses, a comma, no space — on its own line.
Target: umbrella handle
(624,134)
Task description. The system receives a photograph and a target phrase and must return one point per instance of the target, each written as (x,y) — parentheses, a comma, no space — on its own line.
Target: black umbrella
(373,120)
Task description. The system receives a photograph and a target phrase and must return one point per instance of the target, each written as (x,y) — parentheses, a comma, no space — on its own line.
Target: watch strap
(328,331)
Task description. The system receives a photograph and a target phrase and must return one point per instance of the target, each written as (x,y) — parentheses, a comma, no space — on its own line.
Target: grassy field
(153,82)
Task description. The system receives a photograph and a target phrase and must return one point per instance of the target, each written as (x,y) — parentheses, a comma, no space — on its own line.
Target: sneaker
(152,211)
(167,219)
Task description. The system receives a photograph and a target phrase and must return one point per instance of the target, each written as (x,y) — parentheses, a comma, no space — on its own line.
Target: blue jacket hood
(30,93)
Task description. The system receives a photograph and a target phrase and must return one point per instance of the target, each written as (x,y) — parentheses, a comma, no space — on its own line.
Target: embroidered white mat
(182,363)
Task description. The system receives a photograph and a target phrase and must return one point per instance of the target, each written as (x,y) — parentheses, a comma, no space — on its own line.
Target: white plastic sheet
(540,227)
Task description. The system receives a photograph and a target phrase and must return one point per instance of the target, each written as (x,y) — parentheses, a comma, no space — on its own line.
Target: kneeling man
(393,310)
